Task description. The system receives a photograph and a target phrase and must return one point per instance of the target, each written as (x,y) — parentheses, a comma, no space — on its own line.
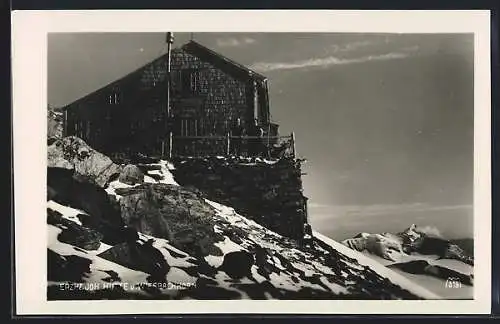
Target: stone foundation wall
(268,193)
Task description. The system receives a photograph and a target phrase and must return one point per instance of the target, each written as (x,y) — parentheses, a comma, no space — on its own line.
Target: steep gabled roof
(219,60)
(193,48)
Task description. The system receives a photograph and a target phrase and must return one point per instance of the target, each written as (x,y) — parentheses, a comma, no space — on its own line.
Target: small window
(184,81)
(113,98)
(195,81)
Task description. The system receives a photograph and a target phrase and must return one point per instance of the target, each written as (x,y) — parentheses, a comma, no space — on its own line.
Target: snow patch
(66,212)
(222,209)
(226,246)
(336,288)
(103,247)
(231,216)
(224,281)
(282,281)
(180,277)
(164,172)
(165,248)
(173,261)
(308,272)
(113,185)
(57,246)
(148,179)
(256,275)
(98,266)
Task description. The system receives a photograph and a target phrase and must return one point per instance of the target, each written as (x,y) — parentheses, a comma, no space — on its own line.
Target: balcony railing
(247,146)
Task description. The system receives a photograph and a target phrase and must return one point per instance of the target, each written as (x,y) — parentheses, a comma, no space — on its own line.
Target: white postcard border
(29,55)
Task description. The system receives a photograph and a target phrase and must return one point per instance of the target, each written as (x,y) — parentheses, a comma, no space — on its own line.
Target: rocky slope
(131,232)
(54,124)
(421,252)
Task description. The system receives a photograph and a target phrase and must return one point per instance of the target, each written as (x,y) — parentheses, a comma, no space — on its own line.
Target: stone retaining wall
(270,193)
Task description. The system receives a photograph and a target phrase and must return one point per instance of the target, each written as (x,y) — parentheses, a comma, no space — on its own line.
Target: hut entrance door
(187,135)
(189,127)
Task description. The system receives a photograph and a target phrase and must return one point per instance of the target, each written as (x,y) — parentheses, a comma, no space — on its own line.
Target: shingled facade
(208,92)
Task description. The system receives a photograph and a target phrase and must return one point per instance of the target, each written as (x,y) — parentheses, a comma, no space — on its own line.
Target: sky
(385,121)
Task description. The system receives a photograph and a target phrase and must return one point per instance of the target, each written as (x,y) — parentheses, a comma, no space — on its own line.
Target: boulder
(73,233)
(70,268)
(73,153)
(156,177)
(58,161)
(238,264)
(170,212)
(141,257)
(103,216)
(129,234)
(131,175)
(54,124)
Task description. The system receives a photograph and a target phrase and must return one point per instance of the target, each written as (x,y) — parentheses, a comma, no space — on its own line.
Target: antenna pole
(170,40)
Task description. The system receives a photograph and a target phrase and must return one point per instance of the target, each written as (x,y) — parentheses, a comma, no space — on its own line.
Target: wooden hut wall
(214,97)
(130,113)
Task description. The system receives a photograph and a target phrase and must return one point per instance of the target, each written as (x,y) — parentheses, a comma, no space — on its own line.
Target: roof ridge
(224,58)
(184,47)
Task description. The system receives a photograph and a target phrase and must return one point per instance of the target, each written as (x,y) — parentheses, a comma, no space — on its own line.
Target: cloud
(234,42)
(326,62)
(311,204)
(351,46)
(413,48)
(383,209)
